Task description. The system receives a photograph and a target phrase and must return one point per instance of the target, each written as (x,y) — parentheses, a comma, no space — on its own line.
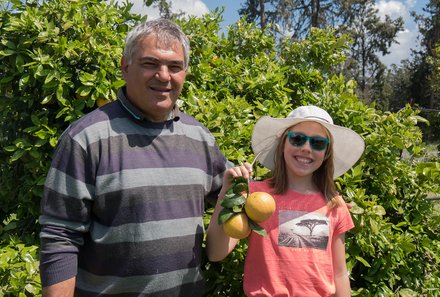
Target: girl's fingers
(248,167)
(244,170)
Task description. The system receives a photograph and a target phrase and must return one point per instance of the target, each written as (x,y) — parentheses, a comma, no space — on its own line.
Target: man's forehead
(163,42)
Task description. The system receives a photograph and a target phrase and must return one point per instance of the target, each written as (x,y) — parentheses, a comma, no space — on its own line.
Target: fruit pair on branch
(243,211)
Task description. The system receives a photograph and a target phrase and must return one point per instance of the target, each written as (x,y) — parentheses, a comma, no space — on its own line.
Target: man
(124,197)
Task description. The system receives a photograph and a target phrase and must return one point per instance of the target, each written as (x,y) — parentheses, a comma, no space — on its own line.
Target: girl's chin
(301,173)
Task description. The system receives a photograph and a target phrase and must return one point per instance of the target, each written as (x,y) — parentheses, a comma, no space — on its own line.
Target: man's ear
(124,65)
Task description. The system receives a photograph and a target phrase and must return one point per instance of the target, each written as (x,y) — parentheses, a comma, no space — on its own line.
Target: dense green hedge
(58,58)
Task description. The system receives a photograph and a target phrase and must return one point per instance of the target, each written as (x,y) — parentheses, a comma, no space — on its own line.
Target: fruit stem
(252,166)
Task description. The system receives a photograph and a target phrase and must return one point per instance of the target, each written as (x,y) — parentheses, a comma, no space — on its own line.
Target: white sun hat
(348,146)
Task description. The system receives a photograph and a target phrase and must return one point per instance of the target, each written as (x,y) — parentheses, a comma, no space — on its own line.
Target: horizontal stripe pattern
(100,131)
(134,192)
(64,184)
(132,205)
(143,257)
(135,178)
(159,285)
(143,231)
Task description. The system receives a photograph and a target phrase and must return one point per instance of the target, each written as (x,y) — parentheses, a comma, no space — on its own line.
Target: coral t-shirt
(295,258)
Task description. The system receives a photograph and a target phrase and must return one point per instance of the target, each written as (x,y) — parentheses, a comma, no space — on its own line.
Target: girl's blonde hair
(322,177)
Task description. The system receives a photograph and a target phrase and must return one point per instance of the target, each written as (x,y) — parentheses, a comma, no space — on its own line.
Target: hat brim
(348,146)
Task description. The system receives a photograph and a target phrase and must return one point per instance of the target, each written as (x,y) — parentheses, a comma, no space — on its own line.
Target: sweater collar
(136,113)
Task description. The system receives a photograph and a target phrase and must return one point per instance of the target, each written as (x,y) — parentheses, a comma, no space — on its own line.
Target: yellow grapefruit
(237,226)
(259,206)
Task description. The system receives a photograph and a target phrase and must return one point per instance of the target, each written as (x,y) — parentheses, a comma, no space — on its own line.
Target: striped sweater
(123,204)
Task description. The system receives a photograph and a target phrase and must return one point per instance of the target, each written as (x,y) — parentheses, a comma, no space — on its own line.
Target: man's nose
(163,73)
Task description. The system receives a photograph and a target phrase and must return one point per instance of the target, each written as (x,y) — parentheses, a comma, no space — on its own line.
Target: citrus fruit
(102,101)
(259,206)
(237,226)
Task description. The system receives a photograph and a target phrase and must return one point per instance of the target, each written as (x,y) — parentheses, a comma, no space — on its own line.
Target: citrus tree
(237,78)
(59,57)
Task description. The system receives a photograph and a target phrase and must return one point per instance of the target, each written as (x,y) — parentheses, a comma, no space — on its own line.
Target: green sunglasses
(317,143)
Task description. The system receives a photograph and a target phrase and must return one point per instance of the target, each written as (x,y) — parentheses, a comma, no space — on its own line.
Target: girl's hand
(244,170)
(218,244)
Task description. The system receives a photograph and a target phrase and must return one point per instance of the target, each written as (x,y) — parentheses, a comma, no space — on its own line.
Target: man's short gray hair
(166,31)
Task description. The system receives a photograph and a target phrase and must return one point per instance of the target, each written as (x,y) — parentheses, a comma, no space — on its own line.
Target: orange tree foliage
(57,58)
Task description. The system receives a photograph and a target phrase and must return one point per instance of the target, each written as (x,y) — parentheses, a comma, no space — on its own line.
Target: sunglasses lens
(297,139)
(318,143)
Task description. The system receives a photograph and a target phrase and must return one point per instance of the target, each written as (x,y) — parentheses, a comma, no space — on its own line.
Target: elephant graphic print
(299,229)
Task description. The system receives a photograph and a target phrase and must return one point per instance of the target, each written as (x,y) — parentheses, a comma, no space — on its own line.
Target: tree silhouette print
(311,224)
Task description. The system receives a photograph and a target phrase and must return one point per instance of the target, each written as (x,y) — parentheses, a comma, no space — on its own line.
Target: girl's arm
(342,281)
(218,244)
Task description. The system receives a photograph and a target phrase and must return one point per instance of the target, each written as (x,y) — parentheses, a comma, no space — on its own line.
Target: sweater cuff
(58,268)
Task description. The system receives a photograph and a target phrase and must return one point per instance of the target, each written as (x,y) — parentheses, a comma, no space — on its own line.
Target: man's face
(155,77)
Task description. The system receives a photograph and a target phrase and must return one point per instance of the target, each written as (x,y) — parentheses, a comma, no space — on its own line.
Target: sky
(394,8)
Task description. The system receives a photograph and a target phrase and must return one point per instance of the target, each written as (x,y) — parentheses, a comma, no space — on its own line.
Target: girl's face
(302,161)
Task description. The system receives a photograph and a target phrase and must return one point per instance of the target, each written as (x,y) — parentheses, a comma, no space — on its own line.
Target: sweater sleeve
(65,211)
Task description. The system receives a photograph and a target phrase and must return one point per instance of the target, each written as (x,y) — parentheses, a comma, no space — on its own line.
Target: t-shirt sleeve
(344,222)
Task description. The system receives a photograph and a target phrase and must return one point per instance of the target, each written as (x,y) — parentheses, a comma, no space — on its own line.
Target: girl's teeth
(304,160)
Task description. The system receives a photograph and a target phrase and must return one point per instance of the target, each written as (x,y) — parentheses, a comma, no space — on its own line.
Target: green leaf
(231,201)
(148,2)
(397,140)
(7,52)
(84,91)
(17,155)
(19,62)
(35,120)
(356,209)
(6,79)
(50,76)
(53,141)
(240,187)
(118,84)
(379,210)
(237,208)
(407,246)
(224,215)
(10,148)
(257,228)
(373,226)
(406,292)
(363,261)
(24,80)
(42,134)
(87,79)
(47,99)
(239,180)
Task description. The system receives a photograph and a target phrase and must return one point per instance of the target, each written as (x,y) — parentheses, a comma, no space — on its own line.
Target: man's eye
(175,68)
(149,65)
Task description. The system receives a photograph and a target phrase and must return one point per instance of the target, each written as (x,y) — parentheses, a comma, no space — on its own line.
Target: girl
(304,251)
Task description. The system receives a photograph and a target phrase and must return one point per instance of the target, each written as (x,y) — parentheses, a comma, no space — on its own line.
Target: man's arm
(65,212)
(61,289)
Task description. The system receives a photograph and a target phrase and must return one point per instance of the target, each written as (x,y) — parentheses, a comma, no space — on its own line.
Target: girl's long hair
(322,177)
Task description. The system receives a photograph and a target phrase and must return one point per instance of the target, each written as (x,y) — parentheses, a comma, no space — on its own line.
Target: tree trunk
(262,15)
(315,13)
